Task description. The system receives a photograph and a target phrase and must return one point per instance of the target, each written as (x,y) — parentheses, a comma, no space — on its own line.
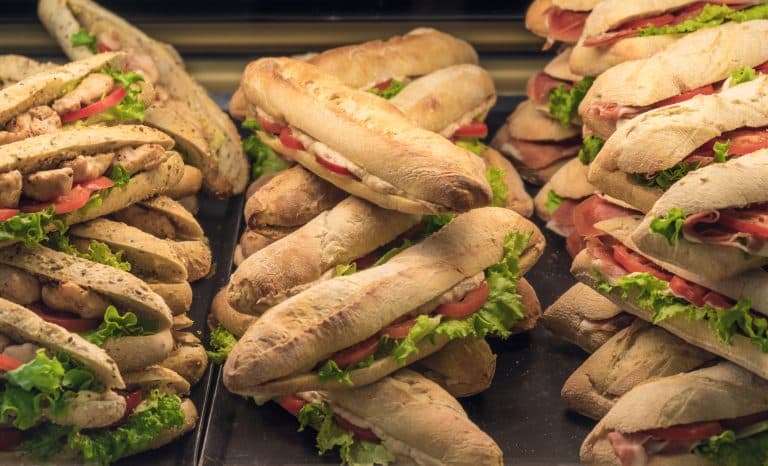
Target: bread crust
(529,124)
(291,199)
(221,158)
(633,356)
(225,315)
(438,430)
(178,296)
(569,182)
(416,53)
(14,68)
(395,149)
(593,61)
(23,325)
(540,176)
(338,313)
(584,317)
(189,185)
(347,232)
(518,198)
(536,17)
(723,391)
(560,67)
(187,226)
(464,367)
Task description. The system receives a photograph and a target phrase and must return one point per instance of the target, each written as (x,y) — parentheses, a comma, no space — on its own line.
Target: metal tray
(522,411)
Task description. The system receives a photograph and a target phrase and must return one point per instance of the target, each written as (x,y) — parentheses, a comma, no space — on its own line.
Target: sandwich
(584,317)
(188,358)
(621,30)
(14,68)
(557,91)
(384,67)
(557,199)
(536,144)
(162,217)
(712,416)
(558,20)
(383,423)
(694,65)
(65,400)
(110,307)
(635,355)
(66,177)
(652,152)
(590,211)
(182,108)
(318,339)
(284,91)
(725,317)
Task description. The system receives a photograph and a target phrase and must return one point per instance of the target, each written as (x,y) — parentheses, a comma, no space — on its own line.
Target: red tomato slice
(356,353)
(704,90)
(690,292)
(687,433)
(717,300)
(71,322)
(574,243)
(367,261)
(475,129)
(65,203)
(292,404)
(111,100)
(762,68)
(332,167)
(746,141)
(399,329)
(97,184)
(746,221)
(384,85)
(10,438)
(269,126)
(287,139)
(633,262)
(8,363)
(5,214)
(471,303)
(132,400)
(359,432)
(645,22)
(102,47)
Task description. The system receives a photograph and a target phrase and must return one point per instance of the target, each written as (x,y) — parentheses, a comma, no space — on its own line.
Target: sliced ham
(565,25)
(536,155)
(539,86)
(561,221)
(614,111)
(707,227)
(595,209)
(629,448)
(601,249)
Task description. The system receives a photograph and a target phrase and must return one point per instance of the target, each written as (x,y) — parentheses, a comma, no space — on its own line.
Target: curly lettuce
(564,103)
(392,90)
(592,145)
(131,107)
(116,325)
(666,178)
(263,158)
(499,188)
(653,294)
(331,371)
(710,16)
(120,176)
(221,342)
(737,449)
(97,251)
(473,145)
(553,201)
(721,149)
(85,39)
(670,225)
(354,452)
(30,228)
(742,75)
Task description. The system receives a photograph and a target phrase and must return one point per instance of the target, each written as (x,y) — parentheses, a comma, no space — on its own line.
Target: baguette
(402,158)
(634,355)
(464,367)
(569,182)
(162,217)
(335,314)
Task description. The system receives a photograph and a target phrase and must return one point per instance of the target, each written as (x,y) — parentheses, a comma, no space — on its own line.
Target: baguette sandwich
(558,20)
(182,108)
(713,416)
(312,341)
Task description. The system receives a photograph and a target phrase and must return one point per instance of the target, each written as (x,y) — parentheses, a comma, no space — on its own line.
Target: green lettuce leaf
(116,325)
(591,147)
(353,452)
(94,202)
(263,158)
(670,225)
(653,294)
(666,178)
(392,90)
(433,223)
(331,371)
(553,201)
(29,228)
(131,108)
(407,346)
(221,342)
(85,39)
(393,252)
(727,449)
(495,177)
(473,145)
(743,75)
(153,416)
(97,251)
(345,269)
(710,16)
(120,176)
(564,103)
(721,151)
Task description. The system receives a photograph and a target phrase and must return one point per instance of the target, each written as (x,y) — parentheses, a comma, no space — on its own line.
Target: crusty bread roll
(750,285)
(421,171)
(719,392)
(178,296)
(633,356)
(416,419)
(464,367)
(529,124)
(560,68)
(569,182)
(416,53)
(584,317)
(698,59)
(290,338)
(339,236)
(536,17)
(225,315)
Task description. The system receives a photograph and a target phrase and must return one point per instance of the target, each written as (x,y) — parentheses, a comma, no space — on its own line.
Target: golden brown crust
(464,367)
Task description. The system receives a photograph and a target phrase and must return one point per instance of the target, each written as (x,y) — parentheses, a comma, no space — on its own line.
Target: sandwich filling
(740,441)
(561,98)
(623,272)
(690,18)
(564,25)
(576,220)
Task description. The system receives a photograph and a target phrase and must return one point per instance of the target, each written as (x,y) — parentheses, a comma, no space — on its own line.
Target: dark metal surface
(522,411)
